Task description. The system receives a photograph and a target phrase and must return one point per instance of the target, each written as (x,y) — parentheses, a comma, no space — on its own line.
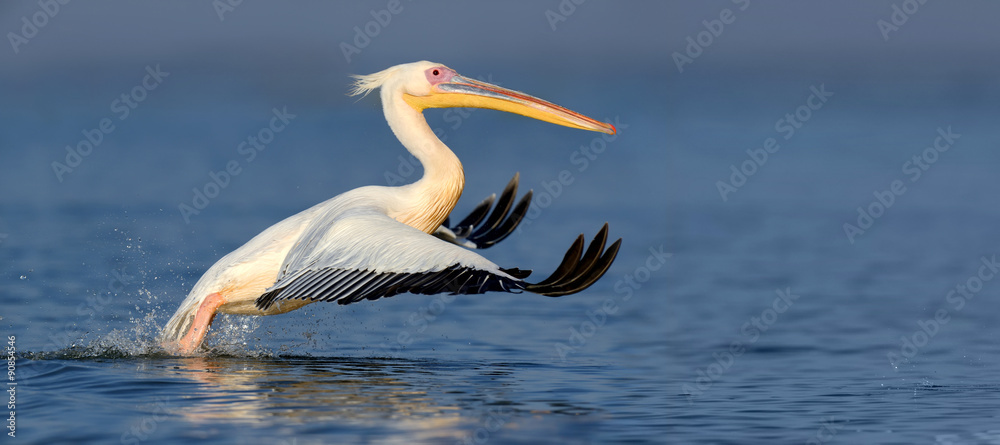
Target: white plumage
(375,242)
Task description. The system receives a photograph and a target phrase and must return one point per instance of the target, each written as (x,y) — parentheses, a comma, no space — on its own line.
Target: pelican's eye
(439,75)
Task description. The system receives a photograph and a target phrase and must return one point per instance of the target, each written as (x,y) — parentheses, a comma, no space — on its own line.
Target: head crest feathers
(364,84)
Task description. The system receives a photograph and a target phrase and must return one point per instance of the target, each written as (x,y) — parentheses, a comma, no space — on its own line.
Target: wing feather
(355,251)
(361,253)
(483,227)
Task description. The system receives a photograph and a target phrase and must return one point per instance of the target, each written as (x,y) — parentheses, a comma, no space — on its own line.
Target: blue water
(685,346)
(752,317)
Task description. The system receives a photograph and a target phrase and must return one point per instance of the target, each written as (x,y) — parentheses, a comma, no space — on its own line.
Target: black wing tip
(506,228)
(476,216)
(499,213)
(494,219)
(579,270)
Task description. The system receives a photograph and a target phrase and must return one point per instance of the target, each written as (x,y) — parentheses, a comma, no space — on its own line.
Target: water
(750,319)
(467,369)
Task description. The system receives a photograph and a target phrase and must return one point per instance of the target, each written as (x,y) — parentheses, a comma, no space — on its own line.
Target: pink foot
(202,320)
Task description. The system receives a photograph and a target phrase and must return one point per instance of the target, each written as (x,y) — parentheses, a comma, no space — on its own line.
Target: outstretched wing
(363,254)
(475,233)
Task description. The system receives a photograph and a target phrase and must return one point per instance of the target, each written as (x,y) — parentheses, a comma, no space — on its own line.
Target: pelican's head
(433,85)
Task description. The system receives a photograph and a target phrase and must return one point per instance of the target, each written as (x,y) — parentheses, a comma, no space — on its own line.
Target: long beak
(464,92)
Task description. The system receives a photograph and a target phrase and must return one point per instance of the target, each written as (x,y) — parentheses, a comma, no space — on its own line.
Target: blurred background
(696,88)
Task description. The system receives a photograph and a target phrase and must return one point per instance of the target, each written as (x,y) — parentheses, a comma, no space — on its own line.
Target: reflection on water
(204,397)
(306,389)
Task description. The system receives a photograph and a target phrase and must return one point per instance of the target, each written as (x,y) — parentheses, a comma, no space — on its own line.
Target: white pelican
(374,242)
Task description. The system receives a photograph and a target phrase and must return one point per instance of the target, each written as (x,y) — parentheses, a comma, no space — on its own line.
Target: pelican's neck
(425,203)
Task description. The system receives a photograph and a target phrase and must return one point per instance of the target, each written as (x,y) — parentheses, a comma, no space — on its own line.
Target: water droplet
(24,277)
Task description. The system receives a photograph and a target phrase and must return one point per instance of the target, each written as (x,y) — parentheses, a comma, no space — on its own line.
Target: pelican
(374,242)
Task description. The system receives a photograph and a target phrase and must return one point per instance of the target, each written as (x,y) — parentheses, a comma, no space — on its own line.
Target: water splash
(230,337)
(132,307)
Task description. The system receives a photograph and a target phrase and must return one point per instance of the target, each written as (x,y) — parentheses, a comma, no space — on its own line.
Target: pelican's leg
(202,320)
